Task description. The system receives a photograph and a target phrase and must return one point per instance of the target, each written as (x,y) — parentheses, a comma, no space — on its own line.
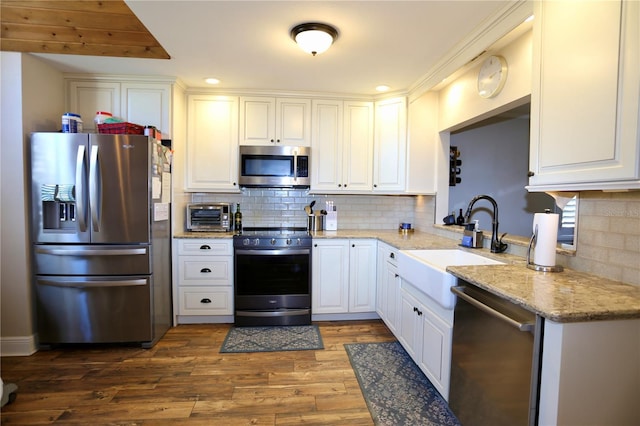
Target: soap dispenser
(477,235)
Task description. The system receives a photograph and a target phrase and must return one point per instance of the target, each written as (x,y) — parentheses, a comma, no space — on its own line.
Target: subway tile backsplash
(608,223)
(285,207)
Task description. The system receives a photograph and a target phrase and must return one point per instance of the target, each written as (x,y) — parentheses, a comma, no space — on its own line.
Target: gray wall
(495,162)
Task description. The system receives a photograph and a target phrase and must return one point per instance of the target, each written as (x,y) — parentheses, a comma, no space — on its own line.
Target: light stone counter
(567,296)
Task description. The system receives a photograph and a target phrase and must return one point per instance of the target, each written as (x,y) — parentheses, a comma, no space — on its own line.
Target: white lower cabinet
(426,331)
(343,276)
(388,290)
(205,277)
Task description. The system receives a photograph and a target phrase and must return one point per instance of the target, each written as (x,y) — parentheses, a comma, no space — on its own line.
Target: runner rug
(273,339)
(396,391)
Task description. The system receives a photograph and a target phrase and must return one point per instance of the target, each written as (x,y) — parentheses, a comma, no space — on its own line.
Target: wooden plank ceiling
(79,27)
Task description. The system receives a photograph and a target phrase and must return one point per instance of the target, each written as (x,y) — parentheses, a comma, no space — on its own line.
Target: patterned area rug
(272,339)
(396,391)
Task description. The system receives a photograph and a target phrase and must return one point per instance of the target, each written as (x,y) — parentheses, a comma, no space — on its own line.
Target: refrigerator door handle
(80,199)
(91,251)
(94,189)
(93,284)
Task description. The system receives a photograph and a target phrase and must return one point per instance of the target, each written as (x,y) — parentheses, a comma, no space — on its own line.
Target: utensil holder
(315,223)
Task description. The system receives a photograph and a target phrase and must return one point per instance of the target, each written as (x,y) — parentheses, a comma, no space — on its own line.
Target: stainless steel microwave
(274,166)
(209,217)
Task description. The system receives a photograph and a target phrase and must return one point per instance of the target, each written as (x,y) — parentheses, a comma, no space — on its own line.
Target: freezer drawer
(52,259)
(104,309)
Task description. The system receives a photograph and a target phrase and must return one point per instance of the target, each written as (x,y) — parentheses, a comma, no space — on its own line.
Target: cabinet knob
(205,300)
(205,247)
(397,275)
(315,245)
(277,140)
(392,255)
(415,309)
(339,185)
(271,140)
(353,245)
(530,173)
(345,185)
(205,270)
(375,185)
(234,184)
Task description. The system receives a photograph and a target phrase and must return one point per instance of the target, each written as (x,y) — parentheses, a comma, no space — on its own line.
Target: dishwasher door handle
(459,291)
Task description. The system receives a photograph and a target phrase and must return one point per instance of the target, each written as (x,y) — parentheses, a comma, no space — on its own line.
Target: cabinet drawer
(206,247)
(198,270)
(206,301)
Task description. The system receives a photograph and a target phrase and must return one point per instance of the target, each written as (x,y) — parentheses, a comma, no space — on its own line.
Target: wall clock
(492,76)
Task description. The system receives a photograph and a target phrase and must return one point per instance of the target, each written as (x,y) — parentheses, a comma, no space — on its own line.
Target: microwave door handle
(94,189)
(295,166)
(80,190)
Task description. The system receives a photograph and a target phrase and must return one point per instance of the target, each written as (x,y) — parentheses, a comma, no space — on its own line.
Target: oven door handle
(269,252)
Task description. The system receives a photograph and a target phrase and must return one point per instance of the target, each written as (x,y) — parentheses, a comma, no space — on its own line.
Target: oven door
(272,284)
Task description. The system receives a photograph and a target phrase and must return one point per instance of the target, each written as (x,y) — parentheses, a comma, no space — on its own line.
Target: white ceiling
(246,44)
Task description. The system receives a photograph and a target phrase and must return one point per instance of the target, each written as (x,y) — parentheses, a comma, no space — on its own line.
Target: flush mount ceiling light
(314,37)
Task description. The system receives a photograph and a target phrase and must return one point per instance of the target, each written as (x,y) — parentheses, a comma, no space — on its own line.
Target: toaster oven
(209,217)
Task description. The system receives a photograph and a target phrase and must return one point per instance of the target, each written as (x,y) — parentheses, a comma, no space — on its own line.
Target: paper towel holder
(539,268)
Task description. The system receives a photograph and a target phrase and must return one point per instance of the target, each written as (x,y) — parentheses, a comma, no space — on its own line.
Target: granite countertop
(567,296)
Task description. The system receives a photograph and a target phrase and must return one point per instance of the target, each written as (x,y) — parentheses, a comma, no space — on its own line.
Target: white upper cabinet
(86,97)
(342,146)
(585,97)
(390,146)
(146,104)
(275,121)
(212,143)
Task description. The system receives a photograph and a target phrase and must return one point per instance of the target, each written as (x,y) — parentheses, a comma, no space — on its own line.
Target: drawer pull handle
(205,270)
(205,300)
(205,247)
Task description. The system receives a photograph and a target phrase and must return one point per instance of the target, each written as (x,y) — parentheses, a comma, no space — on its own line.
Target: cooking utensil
(313,203)
(307,210)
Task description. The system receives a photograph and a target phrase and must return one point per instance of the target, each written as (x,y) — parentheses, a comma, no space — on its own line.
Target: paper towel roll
(545,227)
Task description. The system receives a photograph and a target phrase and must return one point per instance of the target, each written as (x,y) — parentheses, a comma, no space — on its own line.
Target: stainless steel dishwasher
(495,361)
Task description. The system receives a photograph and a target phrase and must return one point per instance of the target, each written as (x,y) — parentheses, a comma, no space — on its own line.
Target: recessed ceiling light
(382,88)
(212,80)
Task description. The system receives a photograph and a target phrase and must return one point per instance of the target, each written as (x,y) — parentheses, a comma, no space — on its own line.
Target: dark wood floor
(185,380)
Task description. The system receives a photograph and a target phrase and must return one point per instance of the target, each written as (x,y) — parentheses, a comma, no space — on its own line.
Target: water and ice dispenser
(58,206)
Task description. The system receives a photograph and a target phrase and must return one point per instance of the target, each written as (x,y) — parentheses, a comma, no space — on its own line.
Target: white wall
(32,100)
(461,106)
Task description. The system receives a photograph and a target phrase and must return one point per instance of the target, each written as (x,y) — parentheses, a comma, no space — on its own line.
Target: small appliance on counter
(209,217)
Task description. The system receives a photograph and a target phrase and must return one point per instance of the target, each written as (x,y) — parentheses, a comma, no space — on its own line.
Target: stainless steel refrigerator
(100,228)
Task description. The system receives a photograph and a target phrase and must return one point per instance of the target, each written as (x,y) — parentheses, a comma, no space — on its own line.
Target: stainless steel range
(272,269)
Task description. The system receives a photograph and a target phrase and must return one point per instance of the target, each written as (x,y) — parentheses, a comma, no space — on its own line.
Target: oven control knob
(288,242)
(273,241)
(256,242)
(299,241)
(245,242)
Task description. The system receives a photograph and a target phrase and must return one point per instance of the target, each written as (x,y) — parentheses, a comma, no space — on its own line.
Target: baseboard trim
(18,345)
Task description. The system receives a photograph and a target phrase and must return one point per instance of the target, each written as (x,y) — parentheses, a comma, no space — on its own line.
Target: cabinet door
(293,122)
(212,143)
(357,147)
(390,147)
(257,121)
(408,324)
(330,276)
(147,105)
(435,347)
(88,97)
(362,276)
(326,145)
(584,107)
